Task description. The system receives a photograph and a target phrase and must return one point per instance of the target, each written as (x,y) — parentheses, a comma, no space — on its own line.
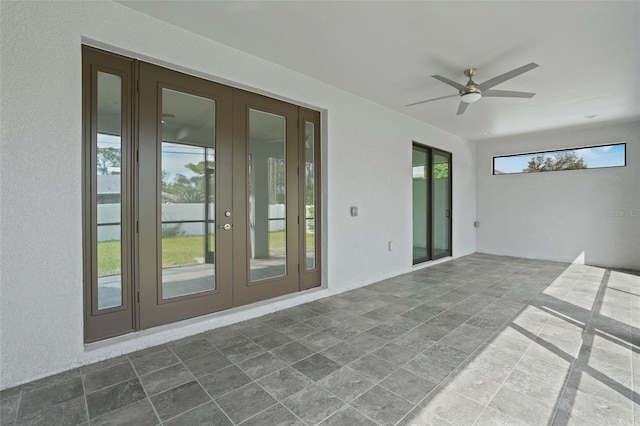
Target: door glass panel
(267,195)
(310,195)
(420,204)
(108,190)
(442,204)
(188,194)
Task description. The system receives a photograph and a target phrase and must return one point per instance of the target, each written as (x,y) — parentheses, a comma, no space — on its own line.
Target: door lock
(226,226)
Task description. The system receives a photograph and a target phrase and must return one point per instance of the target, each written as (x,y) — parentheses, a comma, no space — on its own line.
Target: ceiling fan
(472,92)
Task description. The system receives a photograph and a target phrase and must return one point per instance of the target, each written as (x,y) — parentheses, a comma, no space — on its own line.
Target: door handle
(226,226)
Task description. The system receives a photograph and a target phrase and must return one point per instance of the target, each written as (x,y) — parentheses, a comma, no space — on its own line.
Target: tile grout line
(84,396)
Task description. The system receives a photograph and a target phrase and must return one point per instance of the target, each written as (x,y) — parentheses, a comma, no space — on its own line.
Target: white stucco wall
(564,216)
(367,163)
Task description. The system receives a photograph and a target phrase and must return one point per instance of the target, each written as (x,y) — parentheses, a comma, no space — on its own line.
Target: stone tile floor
(482,340)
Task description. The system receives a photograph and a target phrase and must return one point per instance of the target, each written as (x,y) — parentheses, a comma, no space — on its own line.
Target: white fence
(110,213)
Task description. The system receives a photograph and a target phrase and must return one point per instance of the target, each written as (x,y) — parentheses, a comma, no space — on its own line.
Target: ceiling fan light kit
(470,96)
(472,92)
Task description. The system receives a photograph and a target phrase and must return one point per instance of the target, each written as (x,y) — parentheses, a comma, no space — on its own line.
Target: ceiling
(386,51)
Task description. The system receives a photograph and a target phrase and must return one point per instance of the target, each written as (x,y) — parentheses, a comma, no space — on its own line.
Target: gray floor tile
(114,397)
(343,353)
(442,352)
(278,321)
(261,365)
(139,413)
(319,341)
(147,351)
(321,322)
(154,361)
(245,402)
(546,391)
(193,349)
(395,354)
(372,367)
(224,337)
(165,379)
(387,332)
(178,400)
(207,414)
(64,377)
(69,412)
(292,352)
(207,363)
(581,405)
(405,323)
(382,406)
(274,415)
(313,404)
(223,381)
(108,376)
(452,407)
(9,409)
(272,340)
(422,417)
(298,330)
(361,323)
(284,383)
(522,407)
(348,416)
(343,331)
(409,386)
(97,366)
(46,397)
(532,313)
(316,366)
(242,350)
(366,342)
(346,384)
(491,417)
(252,328)
(431,369)
(10,392)
(380,314)
(461,342)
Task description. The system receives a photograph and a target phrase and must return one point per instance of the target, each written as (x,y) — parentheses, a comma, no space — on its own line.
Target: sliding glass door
(431,187)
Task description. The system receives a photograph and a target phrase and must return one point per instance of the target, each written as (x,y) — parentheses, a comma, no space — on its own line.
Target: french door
(219,194)
(184,180)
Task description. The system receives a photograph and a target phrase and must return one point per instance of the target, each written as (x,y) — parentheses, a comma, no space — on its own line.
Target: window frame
(493,158)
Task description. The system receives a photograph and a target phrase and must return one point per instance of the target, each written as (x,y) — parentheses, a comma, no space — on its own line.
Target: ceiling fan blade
(462,107)
(451,83)
(507,94)
(434,99)
(506,76)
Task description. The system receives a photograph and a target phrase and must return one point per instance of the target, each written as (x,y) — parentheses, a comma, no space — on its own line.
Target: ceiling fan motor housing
(473,93)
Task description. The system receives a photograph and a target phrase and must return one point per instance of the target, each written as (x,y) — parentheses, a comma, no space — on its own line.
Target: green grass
(177,251)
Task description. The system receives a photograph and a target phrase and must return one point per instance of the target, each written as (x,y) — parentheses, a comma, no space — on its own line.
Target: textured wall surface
(367,163)
(588,216)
